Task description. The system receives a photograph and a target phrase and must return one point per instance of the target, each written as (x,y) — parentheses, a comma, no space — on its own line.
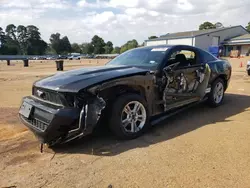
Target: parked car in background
(34,58)
(38,58)
(62,57)
(75,57)
(133,91)
(51,57)
(248,68)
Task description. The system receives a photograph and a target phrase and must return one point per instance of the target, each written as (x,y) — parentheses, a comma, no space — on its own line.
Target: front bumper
(54,124)
(47,121)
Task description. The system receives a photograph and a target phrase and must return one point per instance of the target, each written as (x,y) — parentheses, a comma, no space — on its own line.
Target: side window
(207,57)
(184,57)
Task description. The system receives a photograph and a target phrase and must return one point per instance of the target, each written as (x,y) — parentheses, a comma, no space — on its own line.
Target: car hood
(75,80)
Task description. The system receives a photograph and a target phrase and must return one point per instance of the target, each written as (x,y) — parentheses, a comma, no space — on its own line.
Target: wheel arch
(136,84)
(224,78)
(111,93)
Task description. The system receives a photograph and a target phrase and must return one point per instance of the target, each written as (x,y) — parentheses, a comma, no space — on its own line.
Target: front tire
(248,72)
(129,117)
(216,96)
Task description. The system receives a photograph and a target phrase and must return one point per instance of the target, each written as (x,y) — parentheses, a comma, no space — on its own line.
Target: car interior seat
(182,59)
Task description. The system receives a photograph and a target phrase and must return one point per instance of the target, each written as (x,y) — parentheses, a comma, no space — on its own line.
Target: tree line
(26,40)
(21,40)
(96,46)
(209,25)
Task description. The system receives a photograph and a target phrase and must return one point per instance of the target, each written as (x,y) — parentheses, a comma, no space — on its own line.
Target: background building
(241,43)
(205,39)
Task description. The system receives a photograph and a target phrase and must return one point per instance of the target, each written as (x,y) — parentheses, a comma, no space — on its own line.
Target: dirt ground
(202,147)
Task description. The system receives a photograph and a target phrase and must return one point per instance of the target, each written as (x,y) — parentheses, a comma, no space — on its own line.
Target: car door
(185,78)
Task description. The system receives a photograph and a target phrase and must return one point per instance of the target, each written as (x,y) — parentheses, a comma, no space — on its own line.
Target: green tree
(129,45)
(152,37)
(83,47)
(50,50)
(55,42)
(87,48)
(248,27)
(124,48)
(11,31)
(98,44)
(2,38)
(132,44)
(36,46)
(65,46)
(116,50)
(33,32)
(2,35)
(76,48)
(60,45)
(9,47)
(207,25)
(22,38)
(108,47)
(11,43)
(2,41)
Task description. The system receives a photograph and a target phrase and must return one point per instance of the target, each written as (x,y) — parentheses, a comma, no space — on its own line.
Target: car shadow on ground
(104,144)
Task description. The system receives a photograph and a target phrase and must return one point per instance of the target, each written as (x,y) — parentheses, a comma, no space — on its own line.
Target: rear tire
(248,72)
(216,96)
(129,117)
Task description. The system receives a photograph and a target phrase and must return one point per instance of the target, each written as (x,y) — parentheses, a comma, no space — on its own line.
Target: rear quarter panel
(220,68)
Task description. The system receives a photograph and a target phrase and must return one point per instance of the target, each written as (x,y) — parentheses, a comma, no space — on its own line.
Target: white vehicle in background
(248,68)
(75,57)
(51,57)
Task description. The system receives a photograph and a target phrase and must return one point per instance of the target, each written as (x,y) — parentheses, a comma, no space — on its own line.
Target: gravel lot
(202,147)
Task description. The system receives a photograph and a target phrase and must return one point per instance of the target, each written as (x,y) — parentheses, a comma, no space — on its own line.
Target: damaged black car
(130,93)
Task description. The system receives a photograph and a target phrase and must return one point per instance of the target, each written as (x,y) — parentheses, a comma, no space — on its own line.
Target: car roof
(166,46)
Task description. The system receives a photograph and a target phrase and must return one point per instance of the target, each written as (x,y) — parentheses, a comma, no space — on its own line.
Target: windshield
(140,57)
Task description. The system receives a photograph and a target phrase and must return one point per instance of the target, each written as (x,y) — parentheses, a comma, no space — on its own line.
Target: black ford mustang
(136,89)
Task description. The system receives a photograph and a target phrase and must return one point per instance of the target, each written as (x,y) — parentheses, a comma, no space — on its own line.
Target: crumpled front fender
(89,117)
(92,114)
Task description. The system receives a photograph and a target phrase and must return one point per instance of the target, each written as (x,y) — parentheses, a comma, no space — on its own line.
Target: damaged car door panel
(132,90)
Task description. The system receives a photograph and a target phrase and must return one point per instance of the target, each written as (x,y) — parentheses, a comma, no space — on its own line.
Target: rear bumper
(49,122)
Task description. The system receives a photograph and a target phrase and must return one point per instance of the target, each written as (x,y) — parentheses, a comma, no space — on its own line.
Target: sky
(120,20)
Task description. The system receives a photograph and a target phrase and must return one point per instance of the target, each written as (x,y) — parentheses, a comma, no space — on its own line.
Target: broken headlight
(69,99)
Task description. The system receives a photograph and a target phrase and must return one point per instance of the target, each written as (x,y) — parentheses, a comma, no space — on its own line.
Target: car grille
(47,95)
(36,123)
